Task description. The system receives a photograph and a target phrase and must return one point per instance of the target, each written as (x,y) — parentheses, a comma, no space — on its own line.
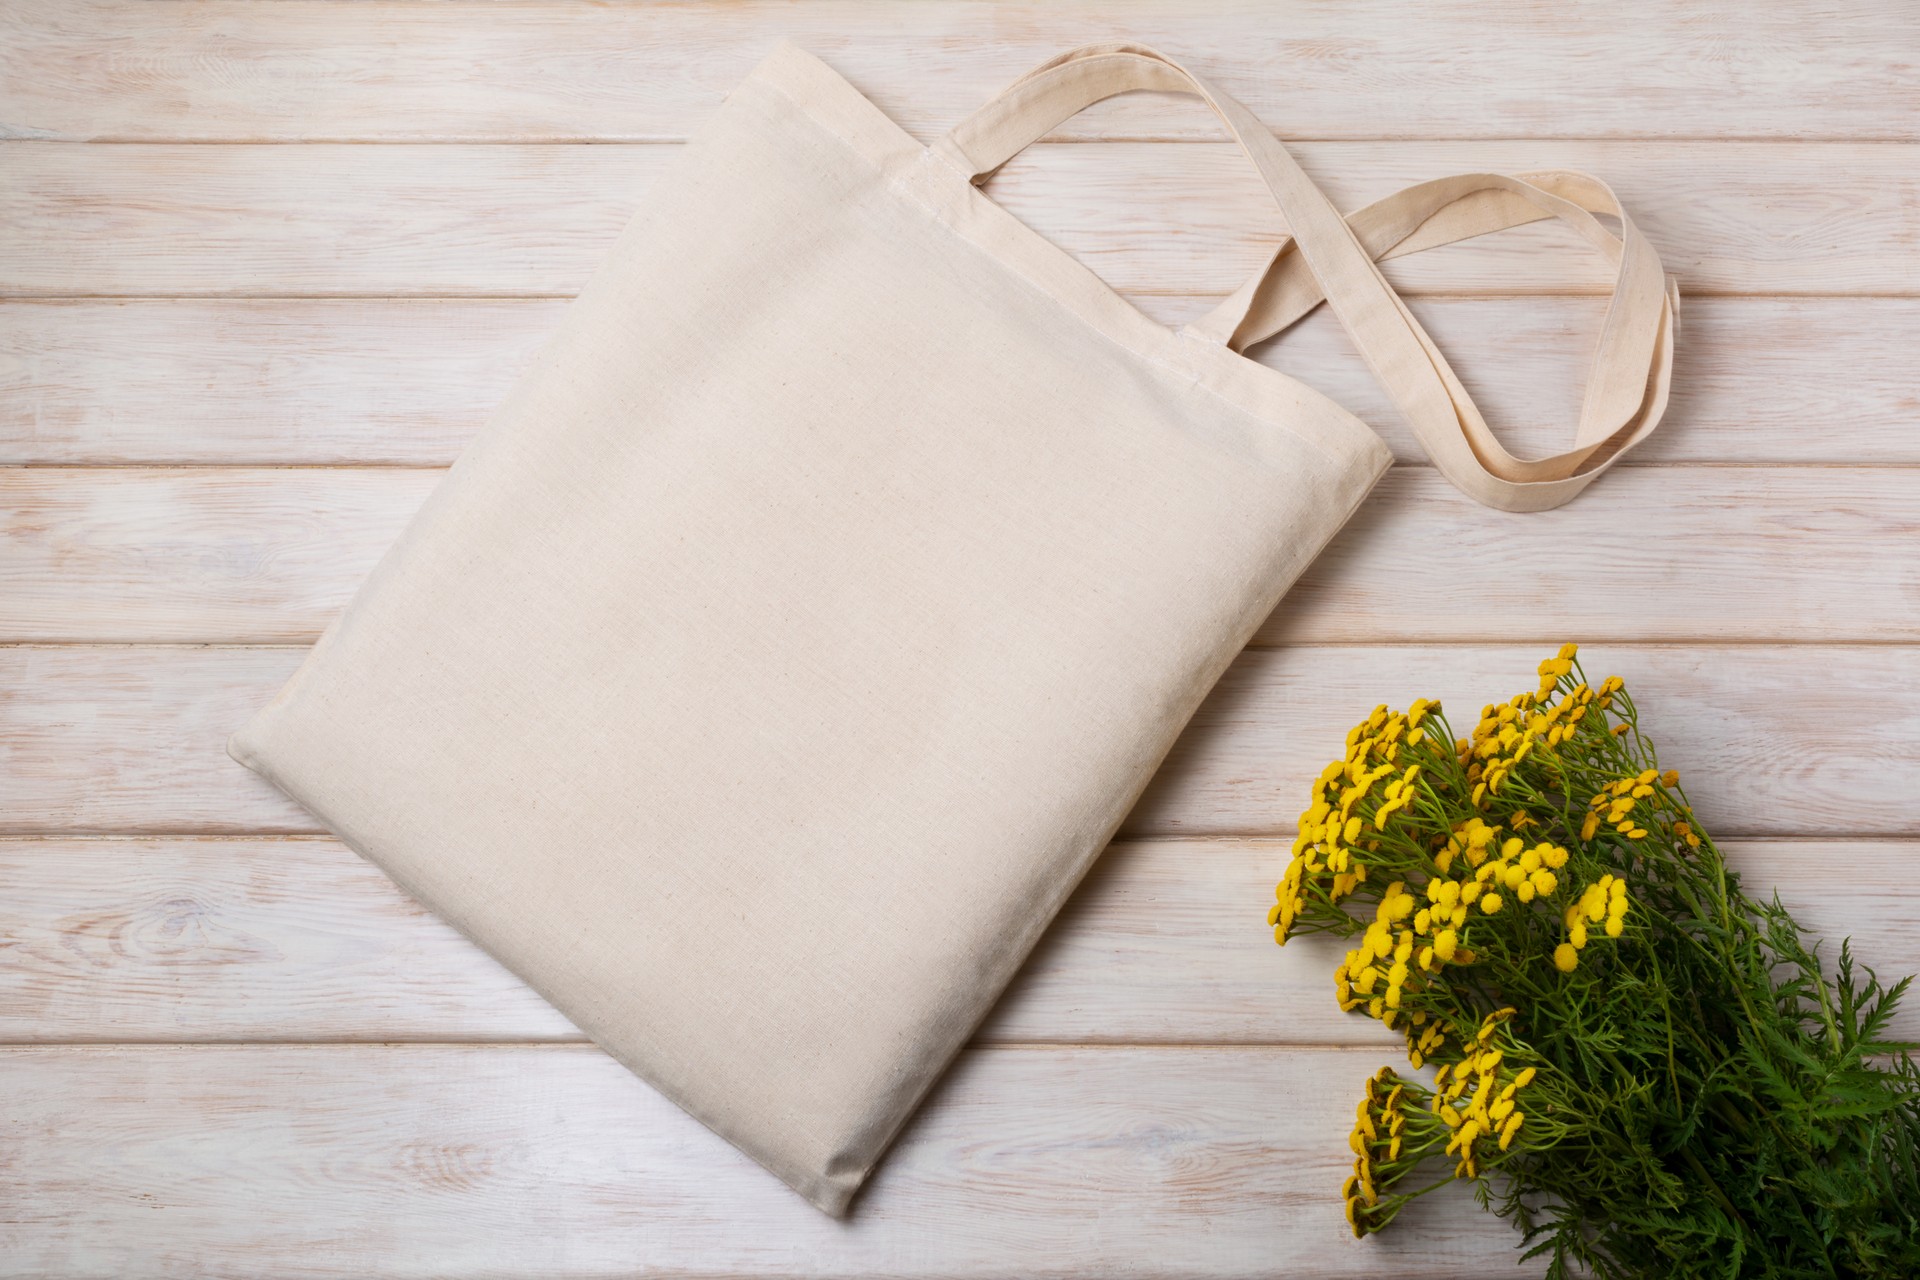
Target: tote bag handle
(1333,258)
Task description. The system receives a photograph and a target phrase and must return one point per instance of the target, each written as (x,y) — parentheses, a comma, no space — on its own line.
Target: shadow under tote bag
(767,672)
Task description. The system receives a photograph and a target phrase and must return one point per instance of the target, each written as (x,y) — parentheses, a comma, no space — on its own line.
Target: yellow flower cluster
(1357,977)
(1604,903)
(1509,731)
(1330,832)
(1378,1127)
(1560,664)
(1526,871)
(1444,864)
(1407,941)
(1472,1100)
(1618,803)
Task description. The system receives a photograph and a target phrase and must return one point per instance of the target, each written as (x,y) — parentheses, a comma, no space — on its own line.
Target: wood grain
(133,739)
(246,551)
(1161,1092)
(553,1160)
(407,381)
(1773,740)
(225,71)
(1799,553)
(1804,740)
(298,940)
(1727,217)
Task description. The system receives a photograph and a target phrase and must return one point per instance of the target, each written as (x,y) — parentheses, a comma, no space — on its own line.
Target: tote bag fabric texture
(771,667)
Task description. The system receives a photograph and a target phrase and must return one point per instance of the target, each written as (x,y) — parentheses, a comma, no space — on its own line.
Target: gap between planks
(1416,464)
(587,1046)
(1502,640)
(1050,140)
(321,837)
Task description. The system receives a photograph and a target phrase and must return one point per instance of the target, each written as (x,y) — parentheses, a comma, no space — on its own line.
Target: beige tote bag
(772,666)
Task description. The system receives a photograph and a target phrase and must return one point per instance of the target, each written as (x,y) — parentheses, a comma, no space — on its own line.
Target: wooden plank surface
(299,940)
(349,1160)
(226,71)
(1171,218)
(228,373)
(1794,553)
(1773,739)
(407,381)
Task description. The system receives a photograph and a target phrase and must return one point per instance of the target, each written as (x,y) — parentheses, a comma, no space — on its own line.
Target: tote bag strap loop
(1633,364)
(1328,259)
(1060,89)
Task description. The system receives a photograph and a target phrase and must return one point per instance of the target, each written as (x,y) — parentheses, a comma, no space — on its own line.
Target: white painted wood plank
(1774,740)
(1168,218)
(1770,553)
(366,380)
(353,1160)
(134,739)
(407,381)
(225,71)
(297,939)
(448,1162)
(258,555)
(289,938)
(1655,553)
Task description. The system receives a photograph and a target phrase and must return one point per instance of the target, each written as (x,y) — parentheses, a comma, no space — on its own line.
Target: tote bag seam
(1355,457)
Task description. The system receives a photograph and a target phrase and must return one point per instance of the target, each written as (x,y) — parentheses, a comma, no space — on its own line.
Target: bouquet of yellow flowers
(1656,1065)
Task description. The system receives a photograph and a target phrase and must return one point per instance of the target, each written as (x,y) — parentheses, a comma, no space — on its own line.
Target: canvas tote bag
(771,667)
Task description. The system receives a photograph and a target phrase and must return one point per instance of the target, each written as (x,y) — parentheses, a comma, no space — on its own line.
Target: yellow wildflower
(1565,958)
